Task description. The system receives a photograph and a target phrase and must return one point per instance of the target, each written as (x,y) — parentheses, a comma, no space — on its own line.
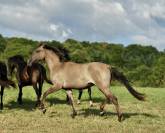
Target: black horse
(4,81)
(28,76)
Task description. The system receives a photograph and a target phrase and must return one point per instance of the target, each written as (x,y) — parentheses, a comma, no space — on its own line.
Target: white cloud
(120,21)
(54,27)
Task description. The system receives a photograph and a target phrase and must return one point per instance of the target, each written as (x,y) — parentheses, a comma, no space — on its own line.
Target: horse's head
(14,61)
(11,67)
(43,51)
(38,54)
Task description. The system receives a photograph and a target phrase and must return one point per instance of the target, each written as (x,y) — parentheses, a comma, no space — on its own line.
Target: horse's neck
(53,62)
(20,66)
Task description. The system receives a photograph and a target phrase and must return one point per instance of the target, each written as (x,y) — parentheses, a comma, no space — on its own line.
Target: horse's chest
(24,76)
(57,78)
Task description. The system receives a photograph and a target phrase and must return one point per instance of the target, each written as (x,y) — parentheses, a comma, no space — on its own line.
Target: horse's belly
(77,83)
(75,86)
(72,79)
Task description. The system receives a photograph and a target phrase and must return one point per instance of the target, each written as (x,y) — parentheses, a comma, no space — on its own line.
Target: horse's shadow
(90,112)
(54,100)
(30,105)
(94,99)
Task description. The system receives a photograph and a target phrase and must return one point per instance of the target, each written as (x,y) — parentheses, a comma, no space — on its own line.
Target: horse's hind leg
(79,96)
(2,90)
(40,92)
(37,93)
(19,99)
(110,97)
(90,97)
(69,93)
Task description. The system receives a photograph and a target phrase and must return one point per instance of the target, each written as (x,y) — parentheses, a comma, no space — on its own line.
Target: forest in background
(143,65)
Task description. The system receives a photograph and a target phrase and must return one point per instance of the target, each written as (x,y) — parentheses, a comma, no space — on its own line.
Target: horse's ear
(41,44)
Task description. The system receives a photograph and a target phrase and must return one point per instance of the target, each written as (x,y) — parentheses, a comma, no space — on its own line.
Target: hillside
(144,65)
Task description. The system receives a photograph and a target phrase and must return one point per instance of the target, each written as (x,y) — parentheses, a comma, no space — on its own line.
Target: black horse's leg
(40,92)
(37,93)
(19,99)
(90,97)
(69,93)
(79,96)
(67,99)
(2,90)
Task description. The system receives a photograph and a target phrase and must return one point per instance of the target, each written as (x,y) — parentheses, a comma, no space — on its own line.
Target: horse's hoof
(36,105)
(78,102)
(102,113)
(41,106)
(43,111)
(74,114)
(120,118)
(19,102)
(91,104)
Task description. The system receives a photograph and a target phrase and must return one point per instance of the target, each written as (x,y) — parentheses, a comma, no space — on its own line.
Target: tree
(3,43)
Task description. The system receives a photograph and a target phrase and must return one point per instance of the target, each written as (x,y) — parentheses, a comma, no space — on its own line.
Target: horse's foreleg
(46,93)
(40,92)
(90,97)
(70,96)
(79,96)
(37,93)
(19,99)
(2,90)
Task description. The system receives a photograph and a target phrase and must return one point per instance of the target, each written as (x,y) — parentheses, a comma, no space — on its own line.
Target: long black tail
(7,83)
(120,77)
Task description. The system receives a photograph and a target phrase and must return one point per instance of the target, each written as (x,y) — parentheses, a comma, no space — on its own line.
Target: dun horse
(36,74)
(67,58)
(4,82)
(67,75)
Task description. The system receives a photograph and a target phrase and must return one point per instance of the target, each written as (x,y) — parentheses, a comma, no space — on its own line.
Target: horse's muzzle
(29,64)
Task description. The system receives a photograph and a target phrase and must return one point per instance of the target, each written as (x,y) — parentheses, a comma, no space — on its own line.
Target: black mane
(61,52)
(65,52)
(17,58)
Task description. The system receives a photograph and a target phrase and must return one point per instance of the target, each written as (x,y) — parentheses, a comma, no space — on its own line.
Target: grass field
(145,117)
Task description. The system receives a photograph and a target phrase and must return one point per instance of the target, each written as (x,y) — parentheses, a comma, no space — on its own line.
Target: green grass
(139,116)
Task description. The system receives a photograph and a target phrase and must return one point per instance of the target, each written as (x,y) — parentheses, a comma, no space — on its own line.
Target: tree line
(143,65)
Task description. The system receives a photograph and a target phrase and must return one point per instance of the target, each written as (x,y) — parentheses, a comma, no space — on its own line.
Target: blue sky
(117,21)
